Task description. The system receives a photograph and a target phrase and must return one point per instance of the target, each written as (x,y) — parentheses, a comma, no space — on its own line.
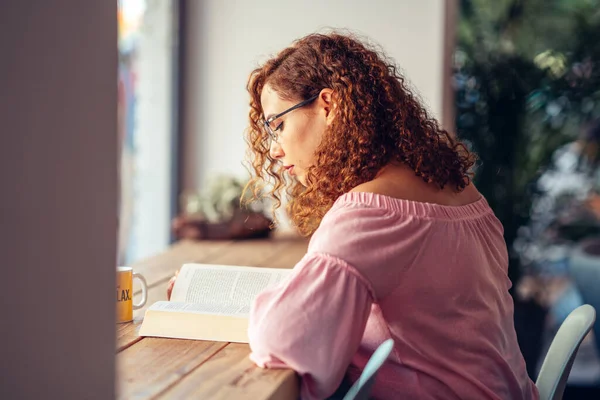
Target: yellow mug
(125,306)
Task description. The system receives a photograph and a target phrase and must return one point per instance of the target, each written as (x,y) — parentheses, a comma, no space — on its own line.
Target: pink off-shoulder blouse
(431,277)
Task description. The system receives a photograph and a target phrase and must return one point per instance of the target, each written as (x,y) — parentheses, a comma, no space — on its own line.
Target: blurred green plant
(526,76)
(220,201)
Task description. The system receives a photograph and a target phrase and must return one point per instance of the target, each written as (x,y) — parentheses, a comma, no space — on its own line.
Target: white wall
(58,203)
(227,39)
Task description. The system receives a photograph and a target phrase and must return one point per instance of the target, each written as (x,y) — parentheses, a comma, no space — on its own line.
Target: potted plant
(218,214)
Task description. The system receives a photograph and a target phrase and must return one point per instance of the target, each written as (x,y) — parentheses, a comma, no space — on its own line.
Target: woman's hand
(171,284)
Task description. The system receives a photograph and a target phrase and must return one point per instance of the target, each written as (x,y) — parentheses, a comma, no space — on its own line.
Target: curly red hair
(378,120)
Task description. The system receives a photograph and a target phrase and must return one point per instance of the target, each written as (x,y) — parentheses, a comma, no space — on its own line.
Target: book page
(200,308)
(229,287)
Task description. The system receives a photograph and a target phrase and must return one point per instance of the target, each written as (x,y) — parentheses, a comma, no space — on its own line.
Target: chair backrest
(553,376)
(362,387)
(584,268)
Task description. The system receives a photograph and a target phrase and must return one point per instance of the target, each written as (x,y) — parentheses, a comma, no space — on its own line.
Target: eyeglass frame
(267,123)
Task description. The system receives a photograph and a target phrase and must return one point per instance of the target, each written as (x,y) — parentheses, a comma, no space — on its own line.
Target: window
(147,118)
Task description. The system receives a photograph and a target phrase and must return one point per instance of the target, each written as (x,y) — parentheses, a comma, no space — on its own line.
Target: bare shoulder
(405,185)
(374,186)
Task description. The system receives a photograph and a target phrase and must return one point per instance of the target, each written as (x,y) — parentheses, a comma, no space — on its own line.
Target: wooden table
(157,368)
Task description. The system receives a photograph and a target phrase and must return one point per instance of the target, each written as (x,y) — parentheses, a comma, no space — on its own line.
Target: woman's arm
(313,323)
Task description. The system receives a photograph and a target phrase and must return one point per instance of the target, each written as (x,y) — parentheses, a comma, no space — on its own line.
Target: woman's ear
(327,102)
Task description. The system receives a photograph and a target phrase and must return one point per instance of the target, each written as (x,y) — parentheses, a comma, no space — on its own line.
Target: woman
(403,246)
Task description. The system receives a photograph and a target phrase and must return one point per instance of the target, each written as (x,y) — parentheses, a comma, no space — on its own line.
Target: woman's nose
(275,151)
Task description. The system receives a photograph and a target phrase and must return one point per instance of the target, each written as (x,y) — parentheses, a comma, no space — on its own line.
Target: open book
(210,302)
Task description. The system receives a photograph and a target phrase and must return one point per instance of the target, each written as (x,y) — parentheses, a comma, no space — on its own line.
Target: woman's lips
(290,169)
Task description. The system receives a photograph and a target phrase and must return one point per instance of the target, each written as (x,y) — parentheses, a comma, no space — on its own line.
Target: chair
(362,387)
(557,364)
(584,268)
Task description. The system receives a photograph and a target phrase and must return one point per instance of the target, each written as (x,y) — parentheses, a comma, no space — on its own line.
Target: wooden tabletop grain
(157,368)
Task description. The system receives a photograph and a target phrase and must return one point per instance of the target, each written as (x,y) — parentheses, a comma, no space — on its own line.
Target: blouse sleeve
(312,323)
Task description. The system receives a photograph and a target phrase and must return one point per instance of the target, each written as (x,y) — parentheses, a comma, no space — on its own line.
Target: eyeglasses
(273,132)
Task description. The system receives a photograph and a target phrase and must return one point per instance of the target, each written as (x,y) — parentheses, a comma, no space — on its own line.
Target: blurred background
(517,80)
(526,85)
